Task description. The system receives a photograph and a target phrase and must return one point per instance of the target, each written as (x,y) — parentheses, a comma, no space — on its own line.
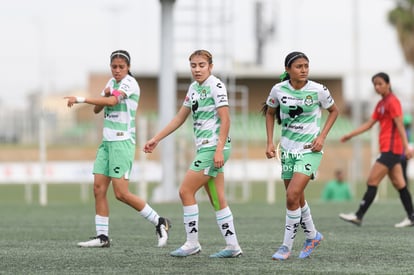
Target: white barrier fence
(80,172)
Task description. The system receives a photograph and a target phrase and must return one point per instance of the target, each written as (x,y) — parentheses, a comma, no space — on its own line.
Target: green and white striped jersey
(119,120)
(204,100)
(300,111)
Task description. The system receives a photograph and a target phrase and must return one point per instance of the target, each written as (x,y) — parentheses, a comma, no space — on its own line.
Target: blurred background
(51,49)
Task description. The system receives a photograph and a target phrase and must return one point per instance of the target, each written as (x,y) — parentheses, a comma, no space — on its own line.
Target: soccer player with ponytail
(296,103)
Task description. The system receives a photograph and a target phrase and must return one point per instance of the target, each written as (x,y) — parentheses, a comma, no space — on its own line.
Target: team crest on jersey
(381,110)
(203,94)
(308,100)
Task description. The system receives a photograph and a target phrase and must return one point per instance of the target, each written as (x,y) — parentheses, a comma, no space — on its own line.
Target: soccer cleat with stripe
(310,245)
(186,250)
(98,241)
(228,252)
(282,253)
(161,230)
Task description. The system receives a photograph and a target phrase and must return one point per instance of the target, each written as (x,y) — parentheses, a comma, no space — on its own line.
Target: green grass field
(42,240)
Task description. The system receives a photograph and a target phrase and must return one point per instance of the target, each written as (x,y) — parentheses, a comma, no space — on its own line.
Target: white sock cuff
(305,207)
(191,209)
(146,211)
(146,208)
(150,214)
(101,219)
(102,225)
(294,214)
(223,212)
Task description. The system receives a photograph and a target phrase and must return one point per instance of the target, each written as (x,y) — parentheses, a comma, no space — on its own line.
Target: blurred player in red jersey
(392,142)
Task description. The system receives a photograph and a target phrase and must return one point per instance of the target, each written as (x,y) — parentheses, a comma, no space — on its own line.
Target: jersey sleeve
(127,86)
(219,93)
(187,99)
(271,100)
(374,114)
(326,100)
(395,108)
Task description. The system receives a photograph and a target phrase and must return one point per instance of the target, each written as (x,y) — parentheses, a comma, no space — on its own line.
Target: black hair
(293,56)
(289,59)
(382,75)
(277,113)
(124,55)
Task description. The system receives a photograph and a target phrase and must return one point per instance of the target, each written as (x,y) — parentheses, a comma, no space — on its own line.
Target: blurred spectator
(337,189)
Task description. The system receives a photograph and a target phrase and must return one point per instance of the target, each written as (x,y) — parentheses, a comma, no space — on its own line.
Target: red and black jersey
(386,110)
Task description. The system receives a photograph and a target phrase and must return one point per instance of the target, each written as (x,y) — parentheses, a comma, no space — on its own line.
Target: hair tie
(283,76)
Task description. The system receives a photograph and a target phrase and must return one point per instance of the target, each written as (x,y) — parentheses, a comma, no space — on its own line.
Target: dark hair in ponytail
(277,113)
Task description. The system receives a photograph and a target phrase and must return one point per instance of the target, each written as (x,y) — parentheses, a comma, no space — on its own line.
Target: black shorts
(389,159)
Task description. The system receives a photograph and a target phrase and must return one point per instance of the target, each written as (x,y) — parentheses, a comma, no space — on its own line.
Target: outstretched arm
(173,125)
(364,127)
(99,102)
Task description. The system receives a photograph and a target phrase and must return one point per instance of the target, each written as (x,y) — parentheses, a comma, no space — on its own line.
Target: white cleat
(405,223)
(186,250)
(351,217)
(161,230)
(98,241)
(228,252)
